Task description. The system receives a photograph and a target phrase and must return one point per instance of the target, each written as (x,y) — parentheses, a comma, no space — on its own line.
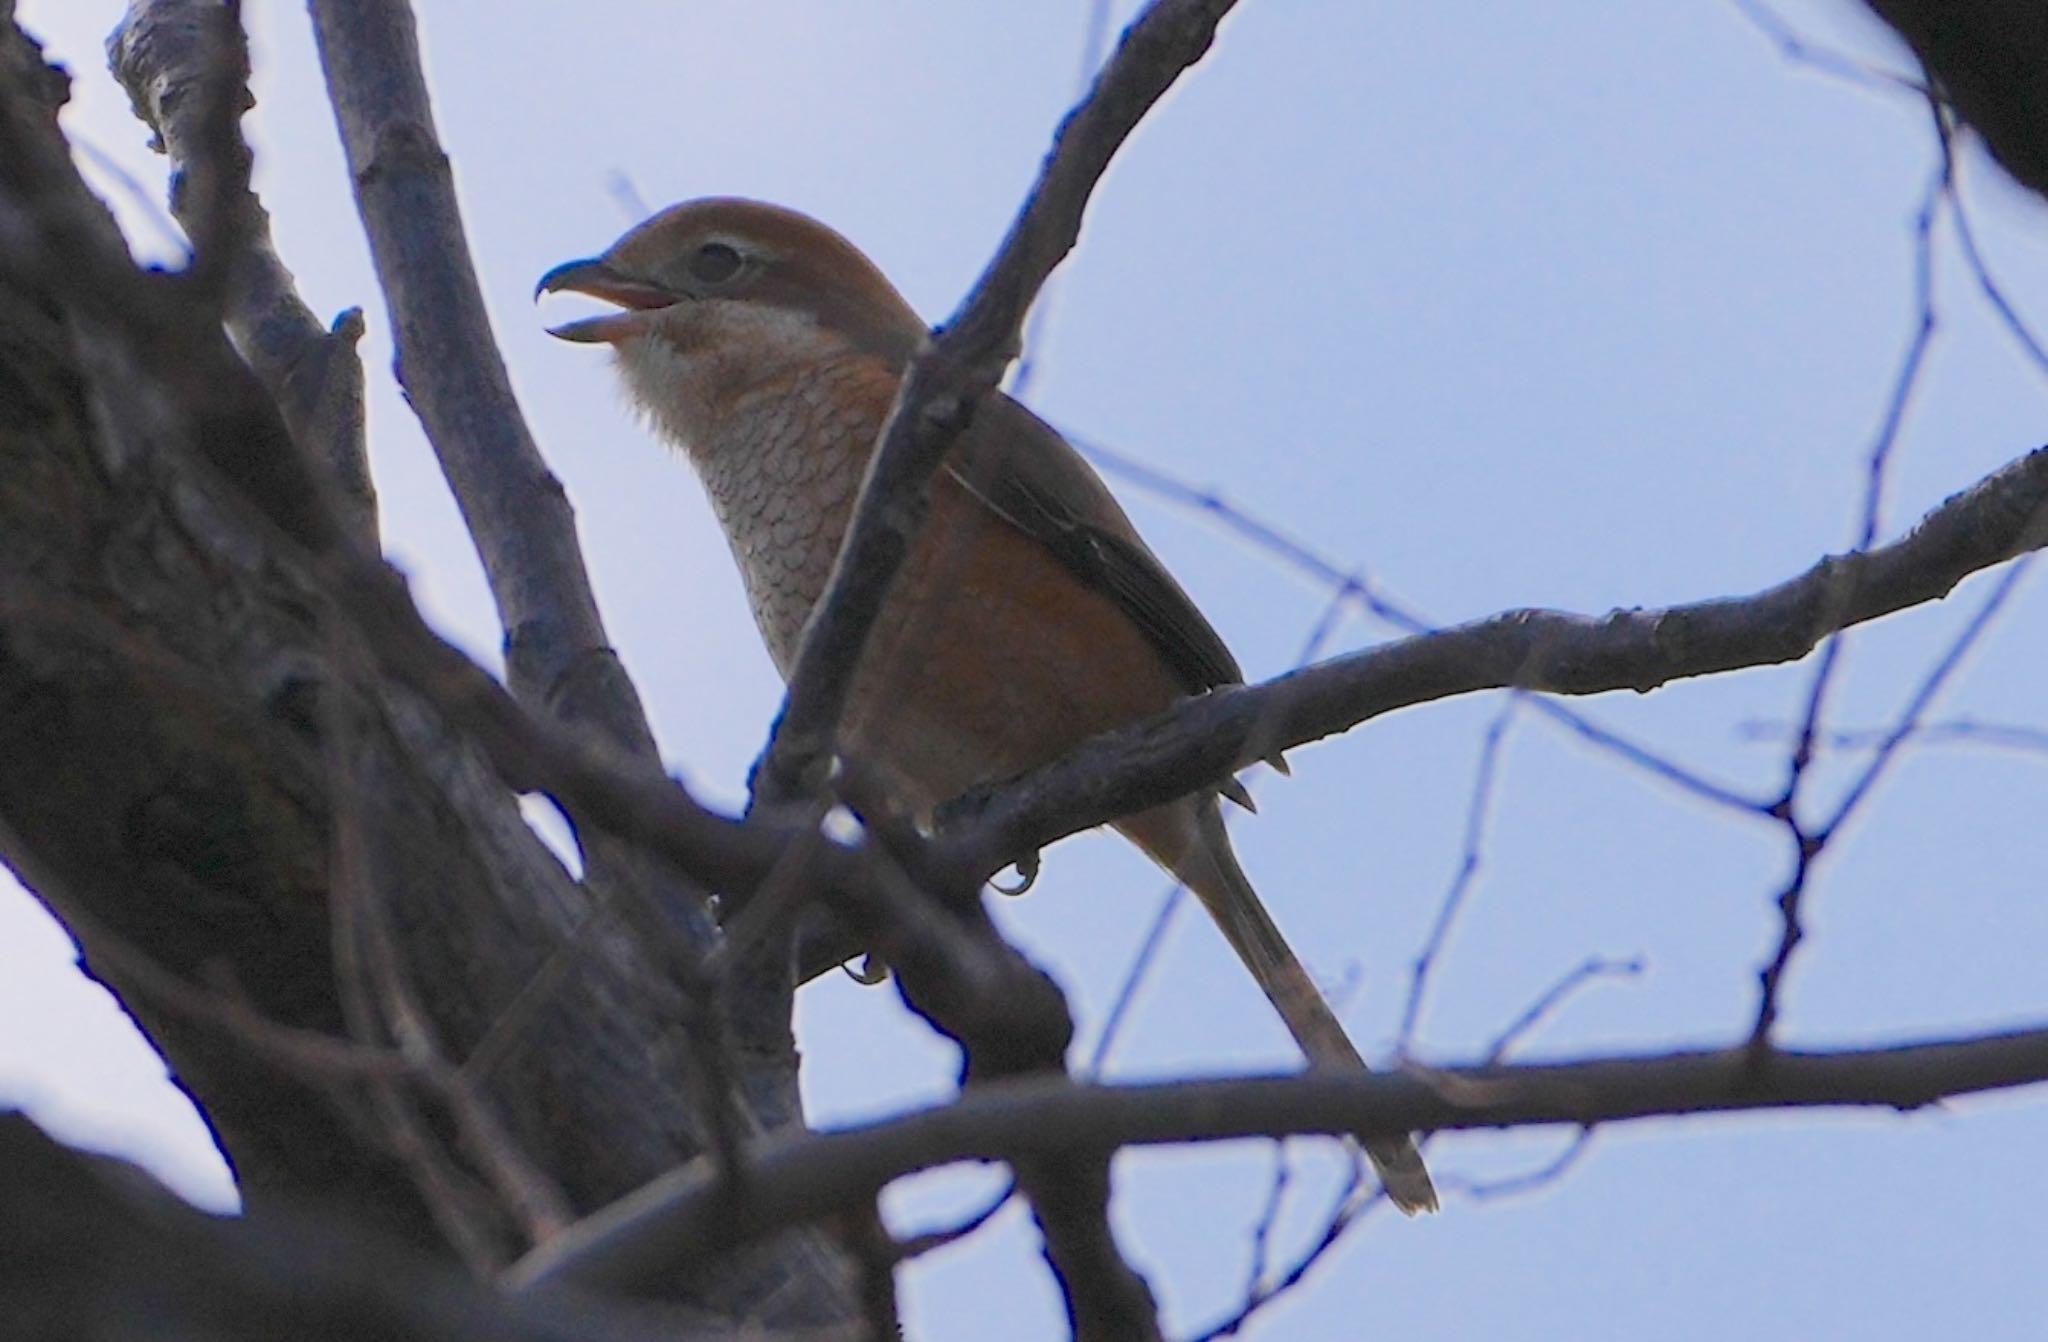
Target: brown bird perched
(1028,616)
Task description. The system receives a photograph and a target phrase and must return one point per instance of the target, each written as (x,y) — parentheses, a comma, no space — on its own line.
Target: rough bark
(194,755)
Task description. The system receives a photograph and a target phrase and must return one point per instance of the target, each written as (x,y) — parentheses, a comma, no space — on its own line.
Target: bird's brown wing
(1020,468)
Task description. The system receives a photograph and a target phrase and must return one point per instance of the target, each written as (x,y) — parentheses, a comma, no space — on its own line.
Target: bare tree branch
(91,1247)
(171,580)
(1355,587)
(1094,38)
(1121,772)
(397,695)
(558,657)
(1477,812)
(170,55)
(1806,846)
(1587,971)
(1957,731)
(557,653)
(681,1218)
(1549,1172)
(963,361)
(1142,960)
(1973,255)
(1810,842)
(1347,1211)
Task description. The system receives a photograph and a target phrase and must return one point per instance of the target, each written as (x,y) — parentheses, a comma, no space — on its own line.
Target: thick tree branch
(172,641)
(680,1219)
(559,661)
(175,57)
(2003,515)
(963,361)
(92,1248)
(557,653)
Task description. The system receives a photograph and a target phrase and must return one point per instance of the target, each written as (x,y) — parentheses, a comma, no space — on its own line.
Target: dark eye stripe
(714,263)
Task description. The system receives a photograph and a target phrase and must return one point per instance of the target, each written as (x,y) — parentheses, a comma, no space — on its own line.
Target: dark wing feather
(1047,491)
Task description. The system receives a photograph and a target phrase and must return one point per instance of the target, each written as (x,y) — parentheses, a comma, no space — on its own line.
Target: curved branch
(2003,515)
(683,1216)
(963,361)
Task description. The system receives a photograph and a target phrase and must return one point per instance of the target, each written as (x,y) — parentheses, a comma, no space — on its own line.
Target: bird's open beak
(596,277)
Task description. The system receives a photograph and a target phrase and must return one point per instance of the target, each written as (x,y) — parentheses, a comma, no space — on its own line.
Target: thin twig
(919,1245)
(464,1212)
(1988,61)
(377,993)
(306,1054)
(1514,1185)
(1556,995)
(1269,1218)
(1648,761)
(1806,844)
(1353,1202)
(1924,696)
(1966,238)
(1956,731)
(1170,904)
(1799,50)
(1477,811)
(1095,36)
(139,196)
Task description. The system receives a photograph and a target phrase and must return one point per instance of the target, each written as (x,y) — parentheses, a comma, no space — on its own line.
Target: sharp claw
(1027,874)
(871,971)
(1236,791)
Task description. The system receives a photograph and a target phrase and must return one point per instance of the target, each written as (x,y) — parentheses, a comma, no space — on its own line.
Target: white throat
(699,360)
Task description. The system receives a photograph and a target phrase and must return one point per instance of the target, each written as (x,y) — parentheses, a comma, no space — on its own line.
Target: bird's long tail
(1189,840)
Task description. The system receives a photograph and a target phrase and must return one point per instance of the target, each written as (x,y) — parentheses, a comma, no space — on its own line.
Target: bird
(1027,616)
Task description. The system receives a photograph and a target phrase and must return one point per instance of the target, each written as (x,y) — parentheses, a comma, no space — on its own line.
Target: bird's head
(720,294)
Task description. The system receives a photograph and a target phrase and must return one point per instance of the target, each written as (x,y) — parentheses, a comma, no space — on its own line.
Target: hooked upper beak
(598,278)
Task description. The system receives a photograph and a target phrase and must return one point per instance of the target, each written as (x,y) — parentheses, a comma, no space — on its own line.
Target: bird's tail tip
(1403,1175)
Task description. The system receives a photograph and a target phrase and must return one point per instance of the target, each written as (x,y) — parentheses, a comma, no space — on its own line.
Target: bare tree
(467,1093)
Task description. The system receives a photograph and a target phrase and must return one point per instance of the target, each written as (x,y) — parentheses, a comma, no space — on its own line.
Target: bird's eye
(714,263)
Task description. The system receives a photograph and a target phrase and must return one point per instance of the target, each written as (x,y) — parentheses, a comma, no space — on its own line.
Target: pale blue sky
(1572,305)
